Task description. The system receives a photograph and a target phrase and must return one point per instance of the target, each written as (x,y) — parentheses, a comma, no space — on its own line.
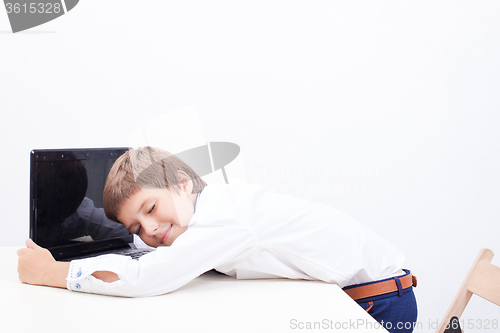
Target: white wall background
(387,110)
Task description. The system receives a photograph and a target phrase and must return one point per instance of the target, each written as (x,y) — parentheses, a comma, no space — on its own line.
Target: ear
(185,183)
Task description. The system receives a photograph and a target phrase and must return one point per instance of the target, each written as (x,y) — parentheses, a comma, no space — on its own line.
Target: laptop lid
(66,214)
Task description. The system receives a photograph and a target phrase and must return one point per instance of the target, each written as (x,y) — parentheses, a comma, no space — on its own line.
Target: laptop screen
(66,199)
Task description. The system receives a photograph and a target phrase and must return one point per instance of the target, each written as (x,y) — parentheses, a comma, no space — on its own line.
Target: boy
(240,230)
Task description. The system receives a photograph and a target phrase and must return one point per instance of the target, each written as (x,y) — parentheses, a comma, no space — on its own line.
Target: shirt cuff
(80,276)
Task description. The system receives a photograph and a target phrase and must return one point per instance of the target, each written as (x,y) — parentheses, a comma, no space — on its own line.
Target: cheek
(180,207)
(176,233)
(148,241)
(180,231)
(183,212)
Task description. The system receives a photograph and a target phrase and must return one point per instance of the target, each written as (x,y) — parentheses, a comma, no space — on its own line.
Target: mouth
(165,235)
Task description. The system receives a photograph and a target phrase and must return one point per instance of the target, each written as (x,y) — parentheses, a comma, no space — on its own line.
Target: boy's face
(158,216)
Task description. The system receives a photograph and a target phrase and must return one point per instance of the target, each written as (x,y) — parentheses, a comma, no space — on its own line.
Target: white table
(210,303)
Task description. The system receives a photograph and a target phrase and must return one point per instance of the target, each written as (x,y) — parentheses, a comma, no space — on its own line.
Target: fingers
(32,245)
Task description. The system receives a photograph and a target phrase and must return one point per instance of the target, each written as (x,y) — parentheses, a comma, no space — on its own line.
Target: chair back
(483,279)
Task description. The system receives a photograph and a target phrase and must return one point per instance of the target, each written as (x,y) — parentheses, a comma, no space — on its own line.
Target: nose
(150,227)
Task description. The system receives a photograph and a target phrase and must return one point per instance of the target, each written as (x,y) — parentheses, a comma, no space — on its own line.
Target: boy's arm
(202,247)
(37,266)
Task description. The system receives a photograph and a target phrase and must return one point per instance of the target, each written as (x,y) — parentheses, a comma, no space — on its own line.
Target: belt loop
(400,287)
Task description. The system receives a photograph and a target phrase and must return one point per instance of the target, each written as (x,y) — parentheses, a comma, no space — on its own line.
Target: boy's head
(145,177)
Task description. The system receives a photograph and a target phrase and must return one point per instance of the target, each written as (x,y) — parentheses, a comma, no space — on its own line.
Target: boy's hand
(37,266)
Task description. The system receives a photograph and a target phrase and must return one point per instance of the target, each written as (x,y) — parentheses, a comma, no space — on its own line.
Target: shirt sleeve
(202,247)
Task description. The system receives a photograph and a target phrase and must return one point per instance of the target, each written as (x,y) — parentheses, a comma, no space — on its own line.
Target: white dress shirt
(248,232)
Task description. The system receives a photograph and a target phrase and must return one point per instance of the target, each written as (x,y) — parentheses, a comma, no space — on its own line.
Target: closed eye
(152,208)
(138,230)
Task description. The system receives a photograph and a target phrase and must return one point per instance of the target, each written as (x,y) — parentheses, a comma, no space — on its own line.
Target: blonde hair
(145,167)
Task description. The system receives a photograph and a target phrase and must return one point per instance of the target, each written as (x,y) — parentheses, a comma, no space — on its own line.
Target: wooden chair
(483,279)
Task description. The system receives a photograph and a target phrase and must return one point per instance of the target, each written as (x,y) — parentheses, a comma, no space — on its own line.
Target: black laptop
(66,214)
